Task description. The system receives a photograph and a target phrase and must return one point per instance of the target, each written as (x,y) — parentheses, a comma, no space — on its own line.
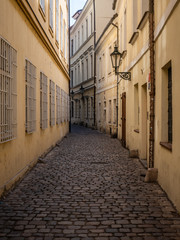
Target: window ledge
(143,20)
(136,130)
(166,145)
(51,31)
(133,38)
(42,13)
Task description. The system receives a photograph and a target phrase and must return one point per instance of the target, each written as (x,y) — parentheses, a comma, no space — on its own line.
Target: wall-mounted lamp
(116,58)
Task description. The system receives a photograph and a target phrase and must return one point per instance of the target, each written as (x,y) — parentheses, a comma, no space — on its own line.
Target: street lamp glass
(115,58)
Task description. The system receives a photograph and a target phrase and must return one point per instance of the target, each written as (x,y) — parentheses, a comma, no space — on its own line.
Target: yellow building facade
(34,83)
(148,119)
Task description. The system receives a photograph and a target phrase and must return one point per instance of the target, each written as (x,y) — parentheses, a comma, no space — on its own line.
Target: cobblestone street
(87,188)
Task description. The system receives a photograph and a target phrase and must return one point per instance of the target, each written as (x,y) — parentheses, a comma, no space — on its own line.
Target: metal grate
(30,78)
(8,92)
(58,105)
(52,102)
(43,101)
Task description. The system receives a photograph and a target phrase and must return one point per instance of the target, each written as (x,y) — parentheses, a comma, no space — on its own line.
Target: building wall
(167,49)
(82,67)
(32,42)
(133,25)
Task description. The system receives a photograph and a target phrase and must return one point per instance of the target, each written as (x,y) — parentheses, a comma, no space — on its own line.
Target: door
(123,119)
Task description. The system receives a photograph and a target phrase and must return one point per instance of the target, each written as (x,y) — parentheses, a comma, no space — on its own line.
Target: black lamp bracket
(124,75)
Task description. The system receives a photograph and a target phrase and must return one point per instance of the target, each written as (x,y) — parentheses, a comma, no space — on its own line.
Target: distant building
(90,21)
(34,83)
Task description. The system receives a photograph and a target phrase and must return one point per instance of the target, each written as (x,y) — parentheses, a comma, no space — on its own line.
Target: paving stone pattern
(87,188)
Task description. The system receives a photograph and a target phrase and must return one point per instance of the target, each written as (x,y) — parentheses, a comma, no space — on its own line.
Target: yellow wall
(18,154)
(167,49)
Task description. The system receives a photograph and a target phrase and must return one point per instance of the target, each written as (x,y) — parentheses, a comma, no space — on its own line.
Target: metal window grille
(58,105)
(42,4)
(170,105)
(30,78)
(110,111)
(62,106)
(43,101)
(57,21)
(8,92)
(92,107)
(52,102)
(51,14)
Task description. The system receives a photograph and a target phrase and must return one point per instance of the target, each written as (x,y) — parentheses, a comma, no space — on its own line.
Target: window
(135,12)
(65,41)
(78,39)
(82,34)
(42,5)
(109,57)
(62,106)
(87,72)
(100,70)
(52,102)
(79,74)
(43,101)
(91,22)
(82,71)
(144,6)
(86,28)
(8,92)
(75,44)
(91,65)
(102,66)
(71,78)
(167,111)
(58,105)
(99,117)
(72,109)
(136,107)
(61,31)
(75,82)
(87,108)
(57,21)
(51,14)
(110,112)
(72,46)
(30,78)
(92,107)
(121,48)
(170,105)
(104,116)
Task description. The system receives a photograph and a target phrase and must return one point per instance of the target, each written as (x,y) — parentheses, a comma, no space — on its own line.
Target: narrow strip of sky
(75,5)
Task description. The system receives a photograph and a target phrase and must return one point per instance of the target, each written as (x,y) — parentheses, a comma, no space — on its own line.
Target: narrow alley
(87,188)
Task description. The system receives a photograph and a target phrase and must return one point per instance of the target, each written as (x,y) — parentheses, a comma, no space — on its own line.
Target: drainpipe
(94,6)
(152,81)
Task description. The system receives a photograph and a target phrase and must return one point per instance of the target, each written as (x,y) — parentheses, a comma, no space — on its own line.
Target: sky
(74,6)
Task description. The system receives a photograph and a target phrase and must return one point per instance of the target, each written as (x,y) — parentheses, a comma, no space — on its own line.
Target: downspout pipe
(152,81)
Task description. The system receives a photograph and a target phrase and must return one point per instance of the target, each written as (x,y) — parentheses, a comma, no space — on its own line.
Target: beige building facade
(82,66)
(147,117)
(90,22)
(34,83)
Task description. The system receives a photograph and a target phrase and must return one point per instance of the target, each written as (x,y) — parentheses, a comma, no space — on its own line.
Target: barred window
(58,105)
(30,78)
(8,92)
(68,108)
(52,102)
(57,21)
(51,14)
(62,105)
(43,101)
(42,5)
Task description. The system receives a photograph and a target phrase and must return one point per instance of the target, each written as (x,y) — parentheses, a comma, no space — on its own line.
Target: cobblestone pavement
(87,188)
